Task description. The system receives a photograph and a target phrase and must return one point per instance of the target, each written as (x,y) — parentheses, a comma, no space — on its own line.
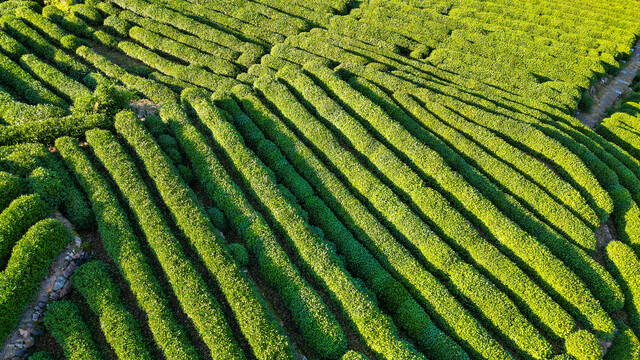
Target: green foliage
(190,289)
(155,126)
(29,263)
(217,218)
(152,90)
(406,311)
(65,323)
(582,345)
(319,259)
(16,219)
(46,131)
(625,346)
(107,98)
(256,322)
(41,355)
(87,13)
(239,254)
(624,264)
(10,188)
(122,332)
(66,87)
(24,85)
(123,248)
(25,158)
(186,174)
(42,47)
(353,355)
(117,26)
(48,185)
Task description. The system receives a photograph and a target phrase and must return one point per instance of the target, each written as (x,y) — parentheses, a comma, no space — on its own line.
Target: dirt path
(607,95)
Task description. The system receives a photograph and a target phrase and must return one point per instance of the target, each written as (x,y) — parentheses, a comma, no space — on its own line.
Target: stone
(23,332)
(54,296)
(44,298)
(29,342)
(67,258)
(59,283)
(35,316)
(77,255)
(78,241)
(65,289)
(50,285)
(42,304)
(69,269)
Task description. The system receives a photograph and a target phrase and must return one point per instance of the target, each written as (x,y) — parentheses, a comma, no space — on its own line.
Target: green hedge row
(40,46)
(624,264)
(23,159)
(46,131)
(64,322)
(557,276)
(452,224)
(177,35)
(41,24)
(123,248)
(318,258)
(12,48)
(117,26)
(25,86)
(119,327)
(192,74)
(154,91)
(16,219)
(250,24)
(565,157)
(406,312)
(433,294)
(29,263)
(583,345)
(186,24)
(195,298)
(373,34)
(65,86)
(353,355)
(14,112)
(72,24)
(599,281)
(312,317)
(497,166)
(160,43)
(48,185)
(315,18)
(10,188)
(256,321)
(625,346)
(626,216)
(622,129)
(592,274)
(88,13)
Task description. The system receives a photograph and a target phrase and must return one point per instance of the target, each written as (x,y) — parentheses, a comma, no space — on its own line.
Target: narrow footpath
(607,95)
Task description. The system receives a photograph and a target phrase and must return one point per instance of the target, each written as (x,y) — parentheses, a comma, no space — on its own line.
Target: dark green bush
(48,185)
(583,345)
(119,327)
(10,188)
(217,218)
(16,219)
(240,254)
(29,263)
(65,323)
